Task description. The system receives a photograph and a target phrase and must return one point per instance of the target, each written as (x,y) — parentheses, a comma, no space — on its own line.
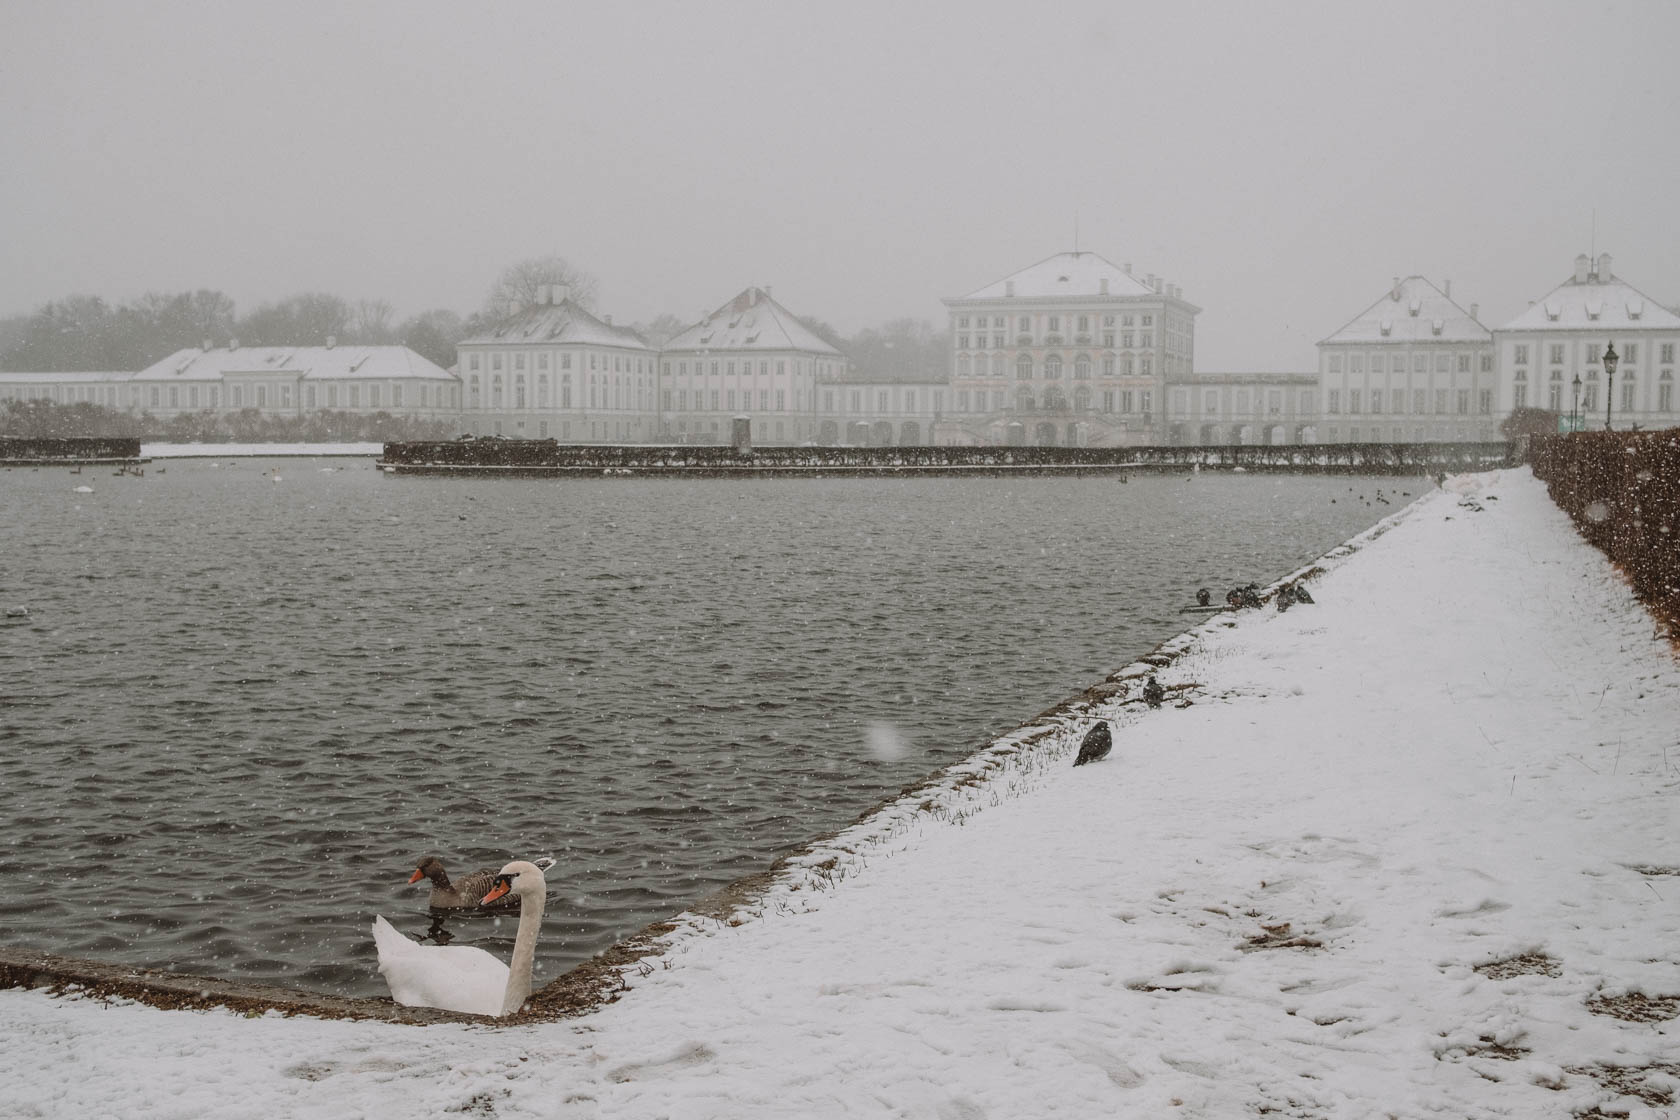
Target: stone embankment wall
(547,456)
(67,450)
(1623,490)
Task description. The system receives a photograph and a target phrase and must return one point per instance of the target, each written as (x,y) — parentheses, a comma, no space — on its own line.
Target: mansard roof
(1412,310)
(311,362)
(556,324)
(752,321)
(1065,275)
(1594,299)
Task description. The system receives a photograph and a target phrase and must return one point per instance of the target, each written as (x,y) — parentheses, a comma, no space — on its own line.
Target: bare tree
(370,321)
(519,283)
(662,329)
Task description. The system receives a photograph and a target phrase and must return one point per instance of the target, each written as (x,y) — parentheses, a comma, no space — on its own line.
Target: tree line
(85,332)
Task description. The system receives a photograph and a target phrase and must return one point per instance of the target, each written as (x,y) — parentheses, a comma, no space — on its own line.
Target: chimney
(766,291)
(1156,282)
(332,340)
(1448,291)
(1604,276)
(1394,292)
(1103,289)
(1583,268)
(1474,308)
(607,320)
(1150,280)
(1009,288)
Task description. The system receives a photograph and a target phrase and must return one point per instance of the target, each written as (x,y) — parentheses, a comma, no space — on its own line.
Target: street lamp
(1575,409)
(1610,361)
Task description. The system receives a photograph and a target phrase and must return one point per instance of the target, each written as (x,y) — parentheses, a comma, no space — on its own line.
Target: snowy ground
(1279,901)
(228,450)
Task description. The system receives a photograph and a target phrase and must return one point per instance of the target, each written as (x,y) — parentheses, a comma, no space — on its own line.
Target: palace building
(276,381)
(751,357)
(1414,367)
(1551,356)
(1071,351)
(552,370)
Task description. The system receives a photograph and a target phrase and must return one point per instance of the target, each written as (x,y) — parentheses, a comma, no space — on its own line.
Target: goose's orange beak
(496,892)
(415,878)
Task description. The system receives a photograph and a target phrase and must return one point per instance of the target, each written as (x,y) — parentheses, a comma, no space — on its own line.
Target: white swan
(461,977)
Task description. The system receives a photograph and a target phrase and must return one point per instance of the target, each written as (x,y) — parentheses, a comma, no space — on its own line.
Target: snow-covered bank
(256,450)
(1284,899)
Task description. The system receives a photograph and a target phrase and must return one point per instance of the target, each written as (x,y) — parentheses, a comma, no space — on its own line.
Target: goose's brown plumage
(462,895)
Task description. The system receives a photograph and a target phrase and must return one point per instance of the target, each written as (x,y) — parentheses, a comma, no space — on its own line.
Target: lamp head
(1610,358)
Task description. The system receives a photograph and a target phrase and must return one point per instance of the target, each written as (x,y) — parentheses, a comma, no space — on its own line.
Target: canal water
(251,694)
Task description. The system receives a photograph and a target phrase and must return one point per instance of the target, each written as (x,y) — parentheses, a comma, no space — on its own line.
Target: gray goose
(464,895)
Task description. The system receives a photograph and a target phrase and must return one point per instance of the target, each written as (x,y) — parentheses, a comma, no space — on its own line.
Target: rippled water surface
(242,708)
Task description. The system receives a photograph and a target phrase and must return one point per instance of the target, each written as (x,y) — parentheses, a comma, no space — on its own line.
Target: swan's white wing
(453,977)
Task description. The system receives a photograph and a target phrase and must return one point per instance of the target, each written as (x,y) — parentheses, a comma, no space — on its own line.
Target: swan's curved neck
(524,952)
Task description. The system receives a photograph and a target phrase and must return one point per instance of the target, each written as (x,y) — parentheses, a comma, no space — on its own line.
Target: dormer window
(1387,327)
(1553,311)
(1635,308)
(1595,308)
(1414,307)
(1436,326)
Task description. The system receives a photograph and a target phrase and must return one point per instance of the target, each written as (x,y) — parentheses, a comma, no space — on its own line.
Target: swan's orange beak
(415,878)
(497,891)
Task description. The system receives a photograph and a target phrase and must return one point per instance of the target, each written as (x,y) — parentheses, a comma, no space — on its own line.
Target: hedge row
(69,449)
(1623,490)
(1421,458)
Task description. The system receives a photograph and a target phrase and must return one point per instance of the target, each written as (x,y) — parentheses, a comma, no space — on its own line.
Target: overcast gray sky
(1280,162)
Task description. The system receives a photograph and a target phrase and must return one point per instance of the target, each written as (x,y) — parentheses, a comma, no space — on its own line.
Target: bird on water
(464,895)
(1095,746)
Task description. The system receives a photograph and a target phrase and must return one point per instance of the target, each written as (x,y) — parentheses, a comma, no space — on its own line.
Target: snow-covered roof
(1594,299)
(556,324)
(752,321)
(1412,310)
(333,363)
(1065,275)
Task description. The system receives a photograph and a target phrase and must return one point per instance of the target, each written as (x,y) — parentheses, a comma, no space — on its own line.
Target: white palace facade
(1071,351)
(276,381)
(1551,356)
(1413,367)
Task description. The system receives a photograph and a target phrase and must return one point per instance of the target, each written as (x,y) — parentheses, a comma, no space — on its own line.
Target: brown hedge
(1623,490)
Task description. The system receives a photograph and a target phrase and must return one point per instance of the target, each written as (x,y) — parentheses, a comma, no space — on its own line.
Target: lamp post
(1575,409)
(1610,360)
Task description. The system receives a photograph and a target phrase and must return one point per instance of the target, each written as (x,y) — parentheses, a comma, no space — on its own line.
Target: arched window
(1023,367)
(998,365)
(1024,399)
(1082,399)
(1053,367)
(1126,365)
(1082,368)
